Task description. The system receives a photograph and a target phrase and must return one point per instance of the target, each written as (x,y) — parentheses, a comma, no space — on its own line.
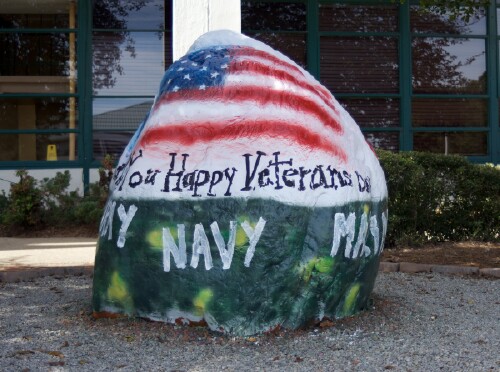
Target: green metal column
(313,38)
(492,68)
(85,87)
(405,88)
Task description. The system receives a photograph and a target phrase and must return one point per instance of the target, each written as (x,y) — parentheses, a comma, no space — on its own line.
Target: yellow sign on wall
(51,152)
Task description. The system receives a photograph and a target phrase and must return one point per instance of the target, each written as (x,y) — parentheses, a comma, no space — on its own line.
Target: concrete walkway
(28,258)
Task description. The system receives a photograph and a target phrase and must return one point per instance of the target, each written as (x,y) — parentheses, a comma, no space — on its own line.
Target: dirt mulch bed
(476,254)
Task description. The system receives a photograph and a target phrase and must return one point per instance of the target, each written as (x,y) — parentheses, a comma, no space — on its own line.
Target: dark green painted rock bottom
(291,280)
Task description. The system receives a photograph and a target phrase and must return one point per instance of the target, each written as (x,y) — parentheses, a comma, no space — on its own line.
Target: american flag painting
(257,94)
(234,107)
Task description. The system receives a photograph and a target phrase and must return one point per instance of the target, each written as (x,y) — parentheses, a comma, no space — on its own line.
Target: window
(131,48)
(78,77)
(360,64)
(282,25)
(38,81)
(412,78)
(449,83)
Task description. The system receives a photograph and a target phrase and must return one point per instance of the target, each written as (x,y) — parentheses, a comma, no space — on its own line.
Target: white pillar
(192,18)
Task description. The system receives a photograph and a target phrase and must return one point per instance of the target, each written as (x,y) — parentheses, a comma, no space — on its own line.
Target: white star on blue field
(199,70)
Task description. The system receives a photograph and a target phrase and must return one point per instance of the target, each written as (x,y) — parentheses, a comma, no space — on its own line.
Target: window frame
(44,164)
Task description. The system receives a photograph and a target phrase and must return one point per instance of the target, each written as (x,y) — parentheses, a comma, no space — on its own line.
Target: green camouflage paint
(291,279)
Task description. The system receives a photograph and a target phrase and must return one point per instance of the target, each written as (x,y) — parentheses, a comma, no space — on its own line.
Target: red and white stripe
(262,96)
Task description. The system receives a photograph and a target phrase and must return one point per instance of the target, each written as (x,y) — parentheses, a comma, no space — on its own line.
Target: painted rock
(248,199)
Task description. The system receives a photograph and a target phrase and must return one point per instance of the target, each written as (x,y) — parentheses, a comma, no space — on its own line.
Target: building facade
(78,76)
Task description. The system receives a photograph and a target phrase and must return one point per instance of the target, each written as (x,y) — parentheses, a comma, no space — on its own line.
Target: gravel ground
(417,322)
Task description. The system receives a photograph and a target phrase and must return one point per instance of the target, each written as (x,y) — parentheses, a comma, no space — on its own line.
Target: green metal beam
(313,61)
(38,131)
(85,84)
(405,88)
(493,88)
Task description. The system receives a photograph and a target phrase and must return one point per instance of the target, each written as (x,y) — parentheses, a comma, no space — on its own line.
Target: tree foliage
(436,67)
(47,53)
(455,8)
(112,15)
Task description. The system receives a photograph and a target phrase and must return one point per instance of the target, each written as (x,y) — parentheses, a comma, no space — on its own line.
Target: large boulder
(248,199)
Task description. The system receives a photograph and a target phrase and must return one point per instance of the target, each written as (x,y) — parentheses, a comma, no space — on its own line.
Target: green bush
(437,198)
(24,206)
(32,204)
(90,209)
(4,205)
(58,204)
